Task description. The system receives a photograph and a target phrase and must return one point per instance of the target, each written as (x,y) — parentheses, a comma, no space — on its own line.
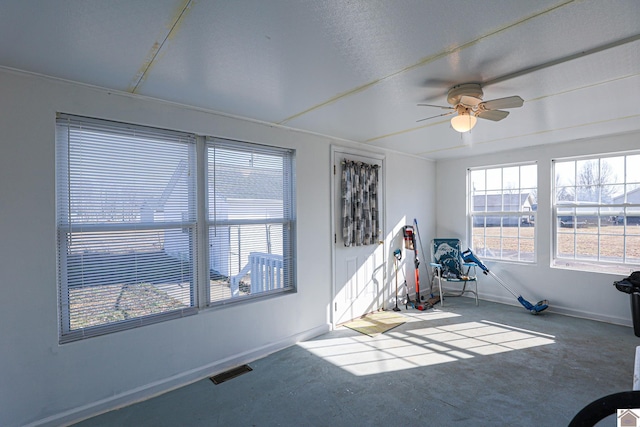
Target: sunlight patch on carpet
(413,348)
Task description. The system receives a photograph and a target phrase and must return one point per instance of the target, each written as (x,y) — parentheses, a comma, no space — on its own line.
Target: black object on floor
(631,285)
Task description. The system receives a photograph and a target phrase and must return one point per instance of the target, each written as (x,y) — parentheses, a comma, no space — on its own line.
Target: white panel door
(359,270)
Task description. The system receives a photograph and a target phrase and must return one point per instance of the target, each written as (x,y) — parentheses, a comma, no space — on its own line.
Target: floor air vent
(230,374)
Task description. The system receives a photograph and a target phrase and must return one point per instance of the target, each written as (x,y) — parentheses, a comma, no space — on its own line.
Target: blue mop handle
(469,256)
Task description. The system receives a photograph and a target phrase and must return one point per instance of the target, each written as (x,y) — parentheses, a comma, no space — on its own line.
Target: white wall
(42,382)
(411,194)
(582,294)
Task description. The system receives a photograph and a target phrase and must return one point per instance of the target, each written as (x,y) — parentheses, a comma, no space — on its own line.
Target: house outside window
(251,222)
(133,227)
(596,213)
(502,203)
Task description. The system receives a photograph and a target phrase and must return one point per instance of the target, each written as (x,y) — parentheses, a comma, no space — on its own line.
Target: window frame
(531,215)
(587,209)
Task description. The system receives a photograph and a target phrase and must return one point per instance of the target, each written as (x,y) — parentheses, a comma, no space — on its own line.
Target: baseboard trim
(622,321)
(174,382)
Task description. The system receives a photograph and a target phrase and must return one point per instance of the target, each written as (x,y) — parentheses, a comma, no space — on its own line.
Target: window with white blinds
(126,223)
(251,220)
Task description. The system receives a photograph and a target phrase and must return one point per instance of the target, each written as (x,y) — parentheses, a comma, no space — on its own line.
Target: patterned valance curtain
(360,223)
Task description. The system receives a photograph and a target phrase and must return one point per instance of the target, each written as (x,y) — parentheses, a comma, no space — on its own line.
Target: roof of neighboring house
(633,196)
(494,201)
(250,183)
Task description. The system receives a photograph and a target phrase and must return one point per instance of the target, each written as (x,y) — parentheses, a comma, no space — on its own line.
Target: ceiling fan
(466,101)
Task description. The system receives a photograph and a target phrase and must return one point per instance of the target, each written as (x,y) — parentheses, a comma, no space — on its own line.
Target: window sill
(591,267)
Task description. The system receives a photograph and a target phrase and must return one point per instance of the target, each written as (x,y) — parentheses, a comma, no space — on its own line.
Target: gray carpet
(461,365)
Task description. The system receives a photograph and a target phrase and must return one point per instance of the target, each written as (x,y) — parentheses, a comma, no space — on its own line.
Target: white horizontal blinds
(250,218)
(126,225)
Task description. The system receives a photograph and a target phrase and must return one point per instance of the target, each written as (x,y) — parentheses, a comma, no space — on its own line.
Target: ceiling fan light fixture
(463,122)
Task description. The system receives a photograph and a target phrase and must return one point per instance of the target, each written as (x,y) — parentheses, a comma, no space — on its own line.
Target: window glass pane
(633,249)
(494,179)
(478,180)
(612,170)
(587,171)
(587,194)
(586,246)
(479,202)
(566,245)
(247,185)
(529,177)
(612,194)
(493,248)
(510,248)
(586,220)
(633,194)
(107,183)
(245,260)
(566,217)
(478,244)
(515,202)
(611,248)
(511,178)
(565,194)
(493,224)
(494,201)
(527,246)
(612,216)
(633,220)
(565,173)
(111,279)
(588,177)
(633,169)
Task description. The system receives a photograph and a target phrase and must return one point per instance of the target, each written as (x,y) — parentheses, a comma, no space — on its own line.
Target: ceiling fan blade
(433,117)
(496,104)
(436,106)
(495,115)
(437,83)
(470,101)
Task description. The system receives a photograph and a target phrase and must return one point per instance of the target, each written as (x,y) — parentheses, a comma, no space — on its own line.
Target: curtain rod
(344,162)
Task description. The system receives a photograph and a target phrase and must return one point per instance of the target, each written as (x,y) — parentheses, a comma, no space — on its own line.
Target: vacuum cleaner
(410,244)
(398,256)
(469,256)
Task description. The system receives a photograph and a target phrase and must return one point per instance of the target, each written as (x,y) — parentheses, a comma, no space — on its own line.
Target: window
(250,220)
(597,213)
(128,224)
(503,207)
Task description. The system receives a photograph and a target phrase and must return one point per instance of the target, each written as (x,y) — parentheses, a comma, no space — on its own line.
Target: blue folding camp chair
(449,267)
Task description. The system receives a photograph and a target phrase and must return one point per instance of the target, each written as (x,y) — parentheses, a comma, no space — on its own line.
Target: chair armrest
(433,264)
(469,265)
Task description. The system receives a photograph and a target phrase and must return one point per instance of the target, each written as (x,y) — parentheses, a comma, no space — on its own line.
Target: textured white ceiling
(352,69)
